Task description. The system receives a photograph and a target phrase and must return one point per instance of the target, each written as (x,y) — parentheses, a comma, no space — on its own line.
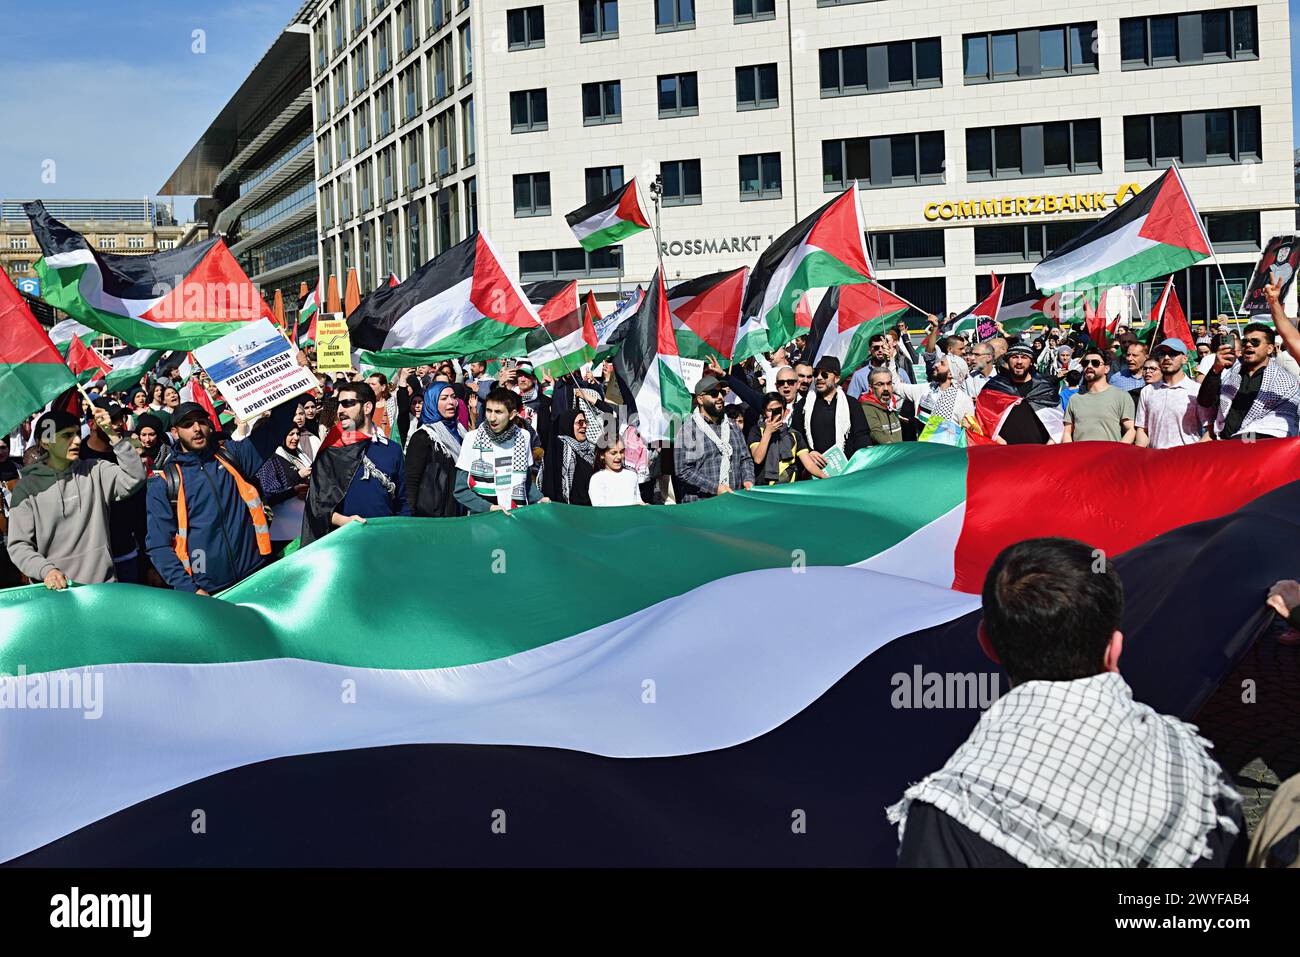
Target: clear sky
(114,93)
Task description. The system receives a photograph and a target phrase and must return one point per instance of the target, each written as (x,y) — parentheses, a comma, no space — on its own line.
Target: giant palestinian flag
(1154,234)
(651,722)
(175,299)
(31,370)
(609,219)
(460,305)
(567,339)
(649,367)
(706,313)
(848,317)
(826,249)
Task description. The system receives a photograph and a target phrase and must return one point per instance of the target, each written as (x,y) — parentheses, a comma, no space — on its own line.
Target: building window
(392,265)
(415,245)
(166,244)
(1047,149)
(345,197)
(602,180)
(383,48)
(538,264)
(17,242)
(413,156)
(467,122)
(358,15)
(444,135)
(385,103)
(443,83)
(411,92)
(1233,232)
(1026,54)
(525,28)
(929,294)
(678,95)
(365,187)
(367,257)
(681,182)
(532,194)
(1014,286)
(908,248)
(880,67)
(362,118)
(598,19)
(340,88)
(748,10)
(674,15)
(527,111)
(1024,244)
(440,14)
(602,103)
(18,266)
(360,68)
(1210,36)
(107,242)
(466,55)
(341,143)
(406,18)
(135,242)
(1210,138)
(907,159)
(336,16)
(471,206)
(756,87)
(760,176)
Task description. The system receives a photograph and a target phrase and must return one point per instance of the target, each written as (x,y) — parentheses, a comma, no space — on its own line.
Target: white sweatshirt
(614,488)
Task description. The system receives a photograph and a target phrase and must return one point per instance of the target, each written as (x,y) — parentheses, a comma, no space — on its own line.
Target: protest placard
(1281,258)
(333,345)
(255,368)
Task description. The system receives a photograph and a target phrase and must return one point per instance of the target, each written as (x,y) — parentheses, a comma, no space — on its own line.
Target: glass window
(1164,38)
(902,154)
(602,103)
(678,95)
(602,180)
(527,110)
(857,160)
(1169,137)
(760,176)
(1137,142)
(598,19)
(1005,57)
(754,9)
(1087,145)
(833,162)
(525,28)
(674,14)
(928,61)
(979,153)
(532,194)
(1006,150)
(1248,134)
(1215,39)
(1133,40)
(756,87)
(1051,49)
(932,159)
(900,64)
(855,67)
(1218,134)
(1244,40)
(681,181)
(1056,147)
(1083,46)
(976,55)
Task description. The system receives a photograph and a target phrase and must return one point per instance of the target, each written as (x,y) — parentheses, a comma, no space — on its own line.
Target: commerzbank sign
(1047,204)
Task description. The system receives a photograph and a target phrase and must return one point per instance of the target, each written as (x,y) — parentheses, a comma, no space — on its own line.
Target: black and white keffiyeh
(721,440)
(1279,394)
(1078,774)
(842,424)
(445,438)
(480,452)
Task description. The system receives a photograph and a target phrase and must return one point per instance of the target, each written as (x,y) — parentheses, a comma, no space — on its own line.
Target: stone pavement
(1258,743)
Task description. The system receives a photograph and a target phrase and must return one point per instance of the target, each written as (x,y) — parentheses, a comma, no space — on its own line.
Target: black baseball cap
(189,410)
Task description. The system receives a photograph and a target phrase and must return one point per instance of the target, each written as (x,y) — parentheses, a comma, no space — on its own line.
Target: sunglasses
(781,382)
(348,403)
(823,374)
(1257,343)
(713,392)
(1093,362)
(1167,354)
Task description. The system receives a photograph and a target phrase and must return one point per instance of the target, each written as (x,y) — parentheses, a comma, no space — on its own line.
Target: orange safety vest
(261,527)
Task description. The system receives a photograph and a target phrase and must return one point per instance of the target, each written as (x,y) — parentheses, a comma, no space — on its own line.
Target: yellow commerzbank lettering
(1046,204)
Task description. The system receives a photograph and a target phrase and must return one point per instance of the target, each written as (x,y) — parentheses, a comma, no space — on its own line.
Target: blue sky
(113,92)
(116,99)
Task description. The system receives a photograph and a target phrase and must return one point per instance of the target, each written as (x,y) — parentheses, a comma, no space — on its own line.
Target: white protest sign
(255,368)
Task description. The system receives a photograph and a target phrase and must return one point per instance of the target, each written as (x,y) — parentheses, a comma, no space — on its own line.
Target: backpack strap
(171,476)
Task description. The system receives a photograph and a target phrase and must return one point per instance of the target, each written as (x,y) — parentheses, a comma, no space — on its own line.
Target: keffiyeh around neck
(1078,774)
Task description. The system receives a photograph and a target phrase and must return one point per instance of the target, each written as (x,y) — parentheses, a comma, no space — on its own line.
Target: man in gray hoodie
(58,525)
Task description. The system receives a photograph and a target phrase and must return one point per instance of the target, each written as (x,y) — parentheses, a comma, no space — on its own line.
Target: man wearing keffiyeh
(495,469)
(1255,397)
(1067,770)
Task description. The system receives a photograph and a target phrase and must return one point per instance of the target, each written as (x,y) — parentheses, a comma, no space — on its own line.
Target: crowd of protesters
(145,488)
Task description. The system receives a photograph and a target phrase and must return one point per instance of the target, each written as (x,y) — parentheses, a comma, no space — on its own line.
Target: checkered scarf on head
(1078,774)
(1278,388)
(943,401)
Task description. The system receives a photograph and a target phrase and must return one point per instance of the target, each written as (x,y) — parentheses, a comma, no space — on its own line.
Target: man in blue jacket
(207,526)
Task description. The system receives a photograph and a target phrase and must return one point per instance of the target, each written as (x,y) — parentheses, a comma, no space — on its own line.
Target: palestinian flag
(1035,309)
(460,305)
(826,249)
(193,391)
(610,731)
(1154,234)
(175,299)
(848,317)
(706,313)
(128,367)
(1169,322)
(64,332)
(307,315)
(991,411)
(567,339)
(803,317)
(649,368)
(86,364)
(1099,327)
(986,313)
(611,329)
(32,373)
(608,220)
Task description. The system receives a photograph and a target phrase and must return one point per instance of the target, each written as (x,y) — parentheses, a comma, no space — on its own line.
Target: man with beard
(207,527)
(945,394)
(1100,412)
(828,419)
(358,472)
(890,418)
(710,456)
(1023,425)
(59,523)
(1254,396)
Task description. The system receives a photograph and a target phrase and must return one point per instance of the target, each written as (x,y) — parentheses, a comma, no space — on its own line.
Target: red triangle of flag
(1173,220)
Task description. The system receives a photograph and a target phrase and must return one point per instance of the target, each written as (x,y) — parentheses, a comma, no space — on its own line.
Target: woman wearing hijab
(432,452)
(284,477)
(570,460)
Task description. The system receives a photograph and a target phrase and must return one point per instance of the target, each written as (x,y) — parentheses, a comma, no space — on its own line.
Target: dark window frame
(840,88)
(882,249)
(754,15)
(532,209)
(1197,55)
(1075,167)
(532,125)
(864,143)
(613,254)
(758,103)
(677,22)
(1156,158)
(602,31)
(761,194)
(685,198)
(606,185)
(529,42)
(679,109)
(604,119)
(1035,70)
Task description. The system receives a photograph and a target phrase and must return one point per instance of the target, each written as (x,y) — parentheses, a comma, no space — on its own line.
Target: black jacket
(430,478)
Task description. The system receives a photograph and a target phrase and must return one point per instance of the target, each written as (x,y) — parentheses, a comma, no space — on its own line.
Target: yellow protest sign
(333,345)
